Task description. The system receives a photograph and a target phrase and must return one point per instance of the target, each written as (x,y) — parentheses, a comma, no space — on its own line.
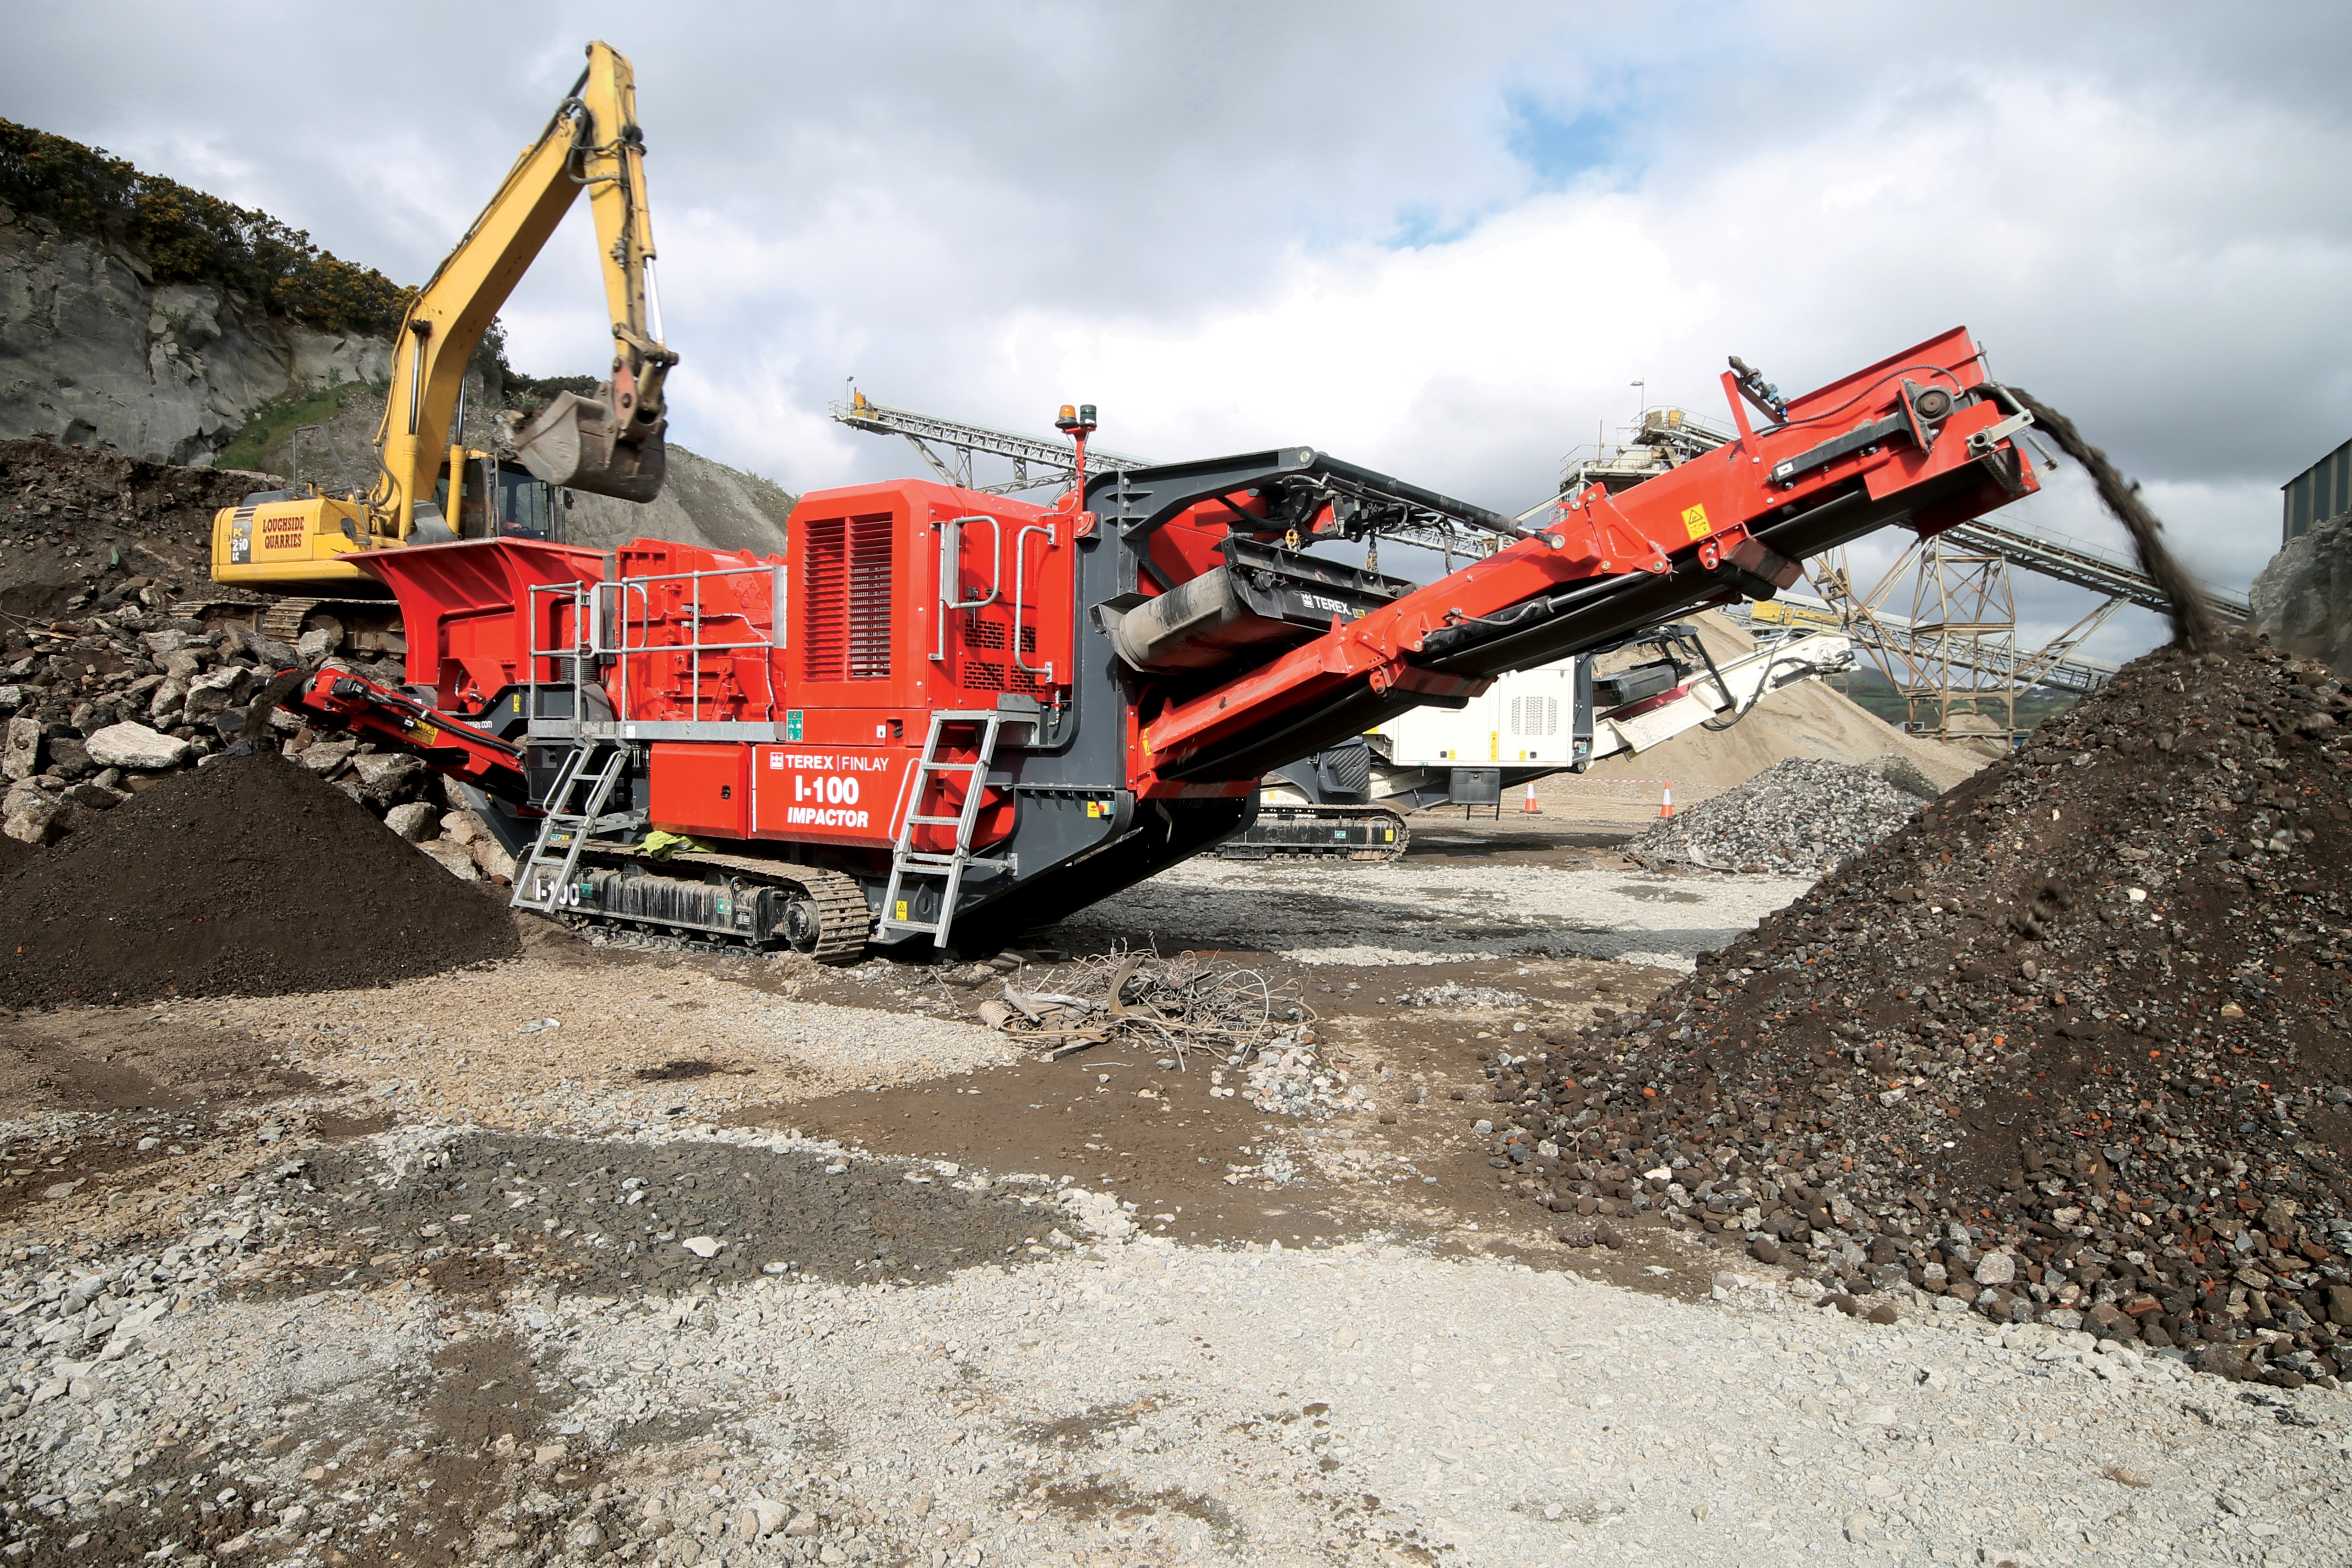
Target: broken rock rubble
(2069,1048)
(1801,814)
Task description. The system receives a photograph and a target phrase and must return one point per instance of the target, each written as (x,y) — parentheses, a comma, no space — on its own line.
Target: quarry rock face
(702,502)
(2304,597)
(93,354)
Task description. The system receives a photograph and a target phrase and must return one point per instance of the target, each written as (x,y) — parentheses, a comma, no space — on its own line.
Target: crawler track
(842,920)
(1320,833)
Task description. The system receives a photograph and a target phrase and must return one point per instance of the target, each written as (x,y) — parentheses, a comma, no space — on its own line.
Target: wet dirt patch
(672,1071)
(54,1171)
(664,1430)
(1205,1169)
(485,1211)
(1651,892)
(1106,1499)
(173,1498)
(1086,1429)
(342,1127)
(108,1061)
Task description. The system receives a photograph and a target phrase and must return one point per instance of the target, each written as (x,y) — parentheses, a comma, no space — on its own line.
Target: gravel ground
(1410,911)
(359,1279)
(1139,1402)
(588,1045)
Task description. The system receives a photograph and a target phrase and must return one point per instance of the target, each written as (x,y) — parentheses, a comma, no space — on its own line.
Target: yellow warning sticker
(1093,808)
(1694,522)
(424,734)
(902,910)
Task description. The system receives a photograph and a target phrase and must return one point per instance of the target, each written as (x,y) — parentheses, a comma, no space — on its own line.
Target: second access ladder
(949,866)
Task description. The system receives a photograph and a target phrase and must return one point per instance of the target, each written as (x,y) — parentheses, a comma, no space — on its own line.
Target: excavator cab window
(520,505)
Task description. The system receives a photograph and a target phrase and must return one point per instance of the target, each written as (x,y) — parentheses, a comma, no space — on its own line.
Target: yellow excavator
(429,488)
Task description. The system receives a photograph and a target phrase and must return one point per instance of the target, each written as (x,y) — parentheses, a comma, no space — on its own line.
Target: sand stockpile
(1807,719)
(248,877)
(2071,1047)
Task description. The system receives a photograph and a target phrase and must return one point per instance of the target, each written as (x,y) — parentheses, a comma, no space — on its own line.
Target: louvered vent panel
(869,598)
(846,599)
(1534,717)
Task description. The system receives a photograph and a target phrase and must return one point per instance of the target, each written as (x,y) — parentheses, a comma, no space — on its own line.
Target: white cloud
(1189,213)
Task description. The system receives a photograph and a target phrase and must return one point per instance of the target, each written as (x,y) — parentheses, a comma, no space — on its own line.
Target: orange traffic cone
(1530,807)
(1667,800)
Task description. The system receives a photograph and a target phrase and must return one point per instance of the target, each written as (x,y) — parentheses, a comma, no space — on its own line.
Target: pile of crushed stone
(1288,1077)
(109,680)
(1801,815)
(252,876)
(78,525)
(1449,995)
(2071,1048)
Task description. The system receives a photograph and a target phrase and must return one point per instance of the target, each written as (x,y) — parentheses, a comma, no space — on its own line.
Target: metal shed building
(2320,492)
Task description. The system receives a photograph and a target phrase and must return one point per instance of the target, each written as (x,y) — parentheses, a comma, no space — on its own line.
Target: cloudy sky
(1441,240)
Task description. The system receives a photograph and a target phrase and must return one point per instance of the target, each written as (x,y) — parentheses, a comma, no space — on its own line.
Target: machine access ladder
(596,767)
(906,860)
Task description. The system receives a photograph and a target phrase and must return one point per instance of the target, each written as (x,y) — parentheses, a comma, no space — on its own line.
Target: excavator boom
(610,444)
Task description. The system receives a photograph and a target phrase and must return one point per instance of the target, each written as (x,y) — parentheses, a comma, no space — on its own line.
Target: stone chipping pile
(2070,1048)
(1801,815)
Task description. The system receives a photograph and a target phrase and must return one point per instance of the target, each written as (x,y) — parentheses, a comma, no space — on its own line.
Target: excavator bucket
(577,442)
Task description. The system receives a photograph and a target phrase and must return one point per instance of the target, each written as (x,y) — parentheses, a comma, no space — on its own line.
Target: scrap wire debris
(1185,1004)
(1181,1004)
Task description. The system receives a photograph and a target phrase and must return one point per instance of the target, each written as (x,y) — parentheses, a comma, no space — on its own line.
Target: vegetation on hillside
(183,236)
(279,418)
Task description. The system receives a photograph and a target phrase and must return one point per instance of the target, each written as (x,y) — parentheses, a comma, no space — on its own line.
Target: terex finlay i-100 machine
(949,714)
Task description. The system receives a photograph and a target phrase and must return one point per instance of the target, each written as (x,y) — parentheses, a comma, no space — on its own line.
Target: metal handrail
(951,574)
(1020,567)
(600,629)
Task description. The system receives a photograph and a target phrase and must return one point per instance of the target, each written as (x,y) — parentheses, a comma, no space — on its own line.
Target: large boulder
(453,858)
(386,777)
(209,693)
(20,752)
(2304,597)
(34,816)
(416,821)
(136,746)
(170,699)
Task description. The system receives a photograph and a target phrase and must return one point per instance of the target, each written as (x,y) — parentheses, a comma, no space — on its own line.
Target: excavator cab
(499,498)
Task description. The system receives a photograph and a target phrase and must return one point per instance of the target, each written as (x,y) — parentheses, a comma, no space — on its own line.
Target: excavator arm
(611,445)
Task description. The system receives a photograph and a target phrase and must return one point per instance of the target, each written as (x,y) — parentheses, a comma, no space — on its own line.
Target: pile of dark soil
(248,877)
(487,1209)
(76,522)
(2071,1047)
